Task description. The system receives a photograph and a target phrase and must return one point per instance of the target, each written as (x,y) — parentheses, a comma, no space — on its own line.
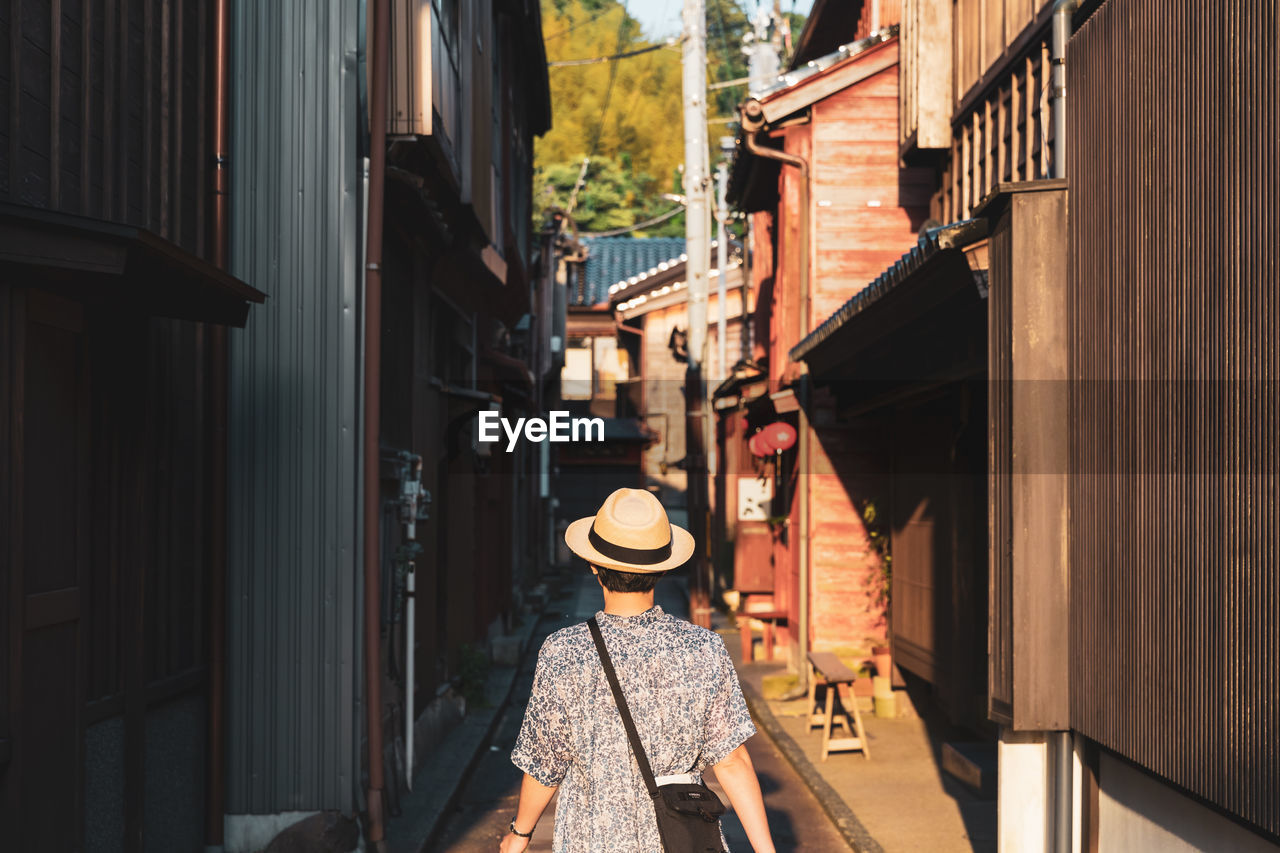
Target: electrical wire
(644,78)
(660,218)
(567,63)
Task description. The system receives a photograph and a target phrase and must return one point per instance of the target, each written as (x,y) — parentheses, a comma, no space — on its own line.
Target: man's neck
(627,603)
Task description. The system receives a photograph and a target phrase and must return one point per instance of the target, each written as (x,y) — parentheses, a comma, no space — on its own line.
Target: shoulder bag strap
(627,722)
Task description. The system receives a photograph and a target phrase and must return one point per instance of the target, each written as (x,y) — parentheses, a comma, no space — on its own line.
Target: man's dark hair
(618,581)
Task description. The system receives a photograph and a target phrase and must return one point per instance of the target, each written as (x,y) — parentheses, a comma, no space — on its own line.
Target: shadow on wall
(922,461)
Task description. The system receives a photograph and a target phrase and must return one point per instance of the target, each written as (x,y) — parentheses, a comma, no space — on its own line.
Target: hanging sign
(754,498)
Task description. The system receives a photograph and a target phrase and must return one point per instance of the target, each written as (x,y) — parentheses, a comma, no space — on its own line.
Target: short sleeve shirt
(683,693)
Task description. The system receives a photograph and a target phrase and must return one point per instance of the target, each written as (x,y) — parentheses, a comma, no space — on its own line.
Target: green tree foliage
(626,115)
(629,107)
(726,24)
(613,195)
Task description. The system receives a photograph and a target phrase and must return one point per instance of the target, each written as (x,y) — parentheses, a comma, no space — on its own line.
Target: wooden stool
(826,666)
(770,619)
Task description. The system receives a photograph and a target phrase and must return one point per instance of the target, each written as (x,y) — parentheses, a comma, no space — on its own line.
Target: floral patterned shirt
(684,696)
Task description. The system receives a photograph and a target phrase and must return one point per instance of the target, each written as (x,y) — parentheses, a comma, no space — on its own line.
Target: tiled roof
(612,259)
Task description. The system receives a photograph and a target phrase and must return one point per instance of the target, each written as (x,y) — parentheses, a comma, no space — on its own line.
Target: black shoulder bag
(688,814)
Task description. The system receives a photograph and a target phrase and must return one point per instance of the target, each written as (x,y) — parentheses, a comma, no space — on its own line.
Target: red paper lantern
(757,445)
(779,436)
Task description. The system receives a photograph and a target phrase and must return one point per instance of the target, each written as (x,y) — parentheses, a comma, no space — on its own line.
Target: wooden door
(921,558)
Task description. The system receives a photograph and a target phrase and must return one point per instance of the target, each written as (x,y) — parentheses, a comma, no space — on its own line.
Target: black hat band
(635,556)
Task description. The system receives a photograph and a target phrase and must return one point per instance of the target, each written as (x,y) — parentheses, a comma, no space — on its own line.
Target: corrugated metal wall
(294,487)
(1173,156)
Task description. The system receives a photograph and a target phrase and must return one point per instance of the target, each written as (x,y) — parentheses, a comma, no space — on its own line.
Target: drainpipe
(753,126)
(1062,13)
(215,798)
(377,66)
(748,268)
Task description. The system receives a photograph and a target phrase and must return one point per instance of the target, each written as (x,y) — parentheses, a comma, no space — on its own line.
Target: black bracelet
(515,831)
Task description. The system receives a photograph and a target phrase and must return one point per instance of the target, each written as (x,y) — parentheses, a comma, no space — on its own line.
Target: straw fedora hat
(630,533)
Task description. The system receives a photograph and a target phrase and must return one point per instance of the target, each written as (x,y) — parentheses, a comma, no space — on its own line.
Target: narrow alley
(951,403)
(846,803)
(478,819)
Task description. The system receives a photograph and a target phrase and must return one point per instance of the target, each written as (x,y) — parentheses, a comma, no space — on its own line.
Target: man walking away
(679,684)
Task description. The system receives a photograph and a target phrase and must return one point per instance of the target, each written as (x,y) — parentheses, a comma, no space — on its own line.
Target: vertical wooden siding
(983,31)
(1028,486)
(924,114)
(103,111)
(1176,519)
(999,497)
(109,495)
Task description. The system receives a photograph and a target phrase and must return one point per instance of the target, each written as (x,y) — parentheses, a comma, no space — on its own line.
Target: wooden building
(651,311)
(1099,385)
(603,377)
(625,362)
(818,168)
(181,508)
(113,395)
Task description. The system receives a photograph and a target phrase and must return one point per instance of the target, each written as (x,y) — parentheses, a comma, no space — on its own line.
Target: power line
(660,218)
(608,92)
(565,63)
(648,75)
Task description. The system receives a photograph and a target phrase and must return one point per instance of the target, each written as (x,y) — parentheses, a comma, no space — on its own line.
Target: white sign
(754,497)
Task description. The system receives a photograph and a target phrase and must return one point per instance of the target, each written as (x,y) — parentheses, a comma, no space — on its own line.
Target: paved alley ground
(480,815)
(899,801)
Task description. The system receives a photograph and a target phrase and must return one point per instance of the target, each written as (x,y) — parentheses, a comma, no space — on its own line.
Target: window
(575,376)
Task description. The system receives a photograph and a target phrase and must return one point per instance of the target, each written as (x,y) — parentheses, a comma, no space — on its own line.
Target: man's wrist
(515,831)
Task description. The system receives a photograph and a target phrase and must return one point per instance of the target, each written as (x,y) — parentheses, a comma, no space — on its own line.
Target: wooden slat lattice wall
(1173,138)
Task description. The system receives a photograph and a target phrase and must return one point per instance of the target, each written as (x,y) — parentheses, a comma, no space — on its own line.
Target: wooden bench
(770,618)
(825,668)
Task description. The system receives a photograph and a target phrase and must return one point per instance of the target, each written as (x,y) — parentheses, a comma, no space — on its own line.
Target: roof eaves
(657,275)
(815,67)
(752,180)
(957,235)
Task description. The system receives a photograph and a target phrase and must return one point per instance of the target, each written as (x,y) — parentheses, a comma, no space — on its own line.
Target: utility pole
(697,226)
(762,46)
(722,252)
